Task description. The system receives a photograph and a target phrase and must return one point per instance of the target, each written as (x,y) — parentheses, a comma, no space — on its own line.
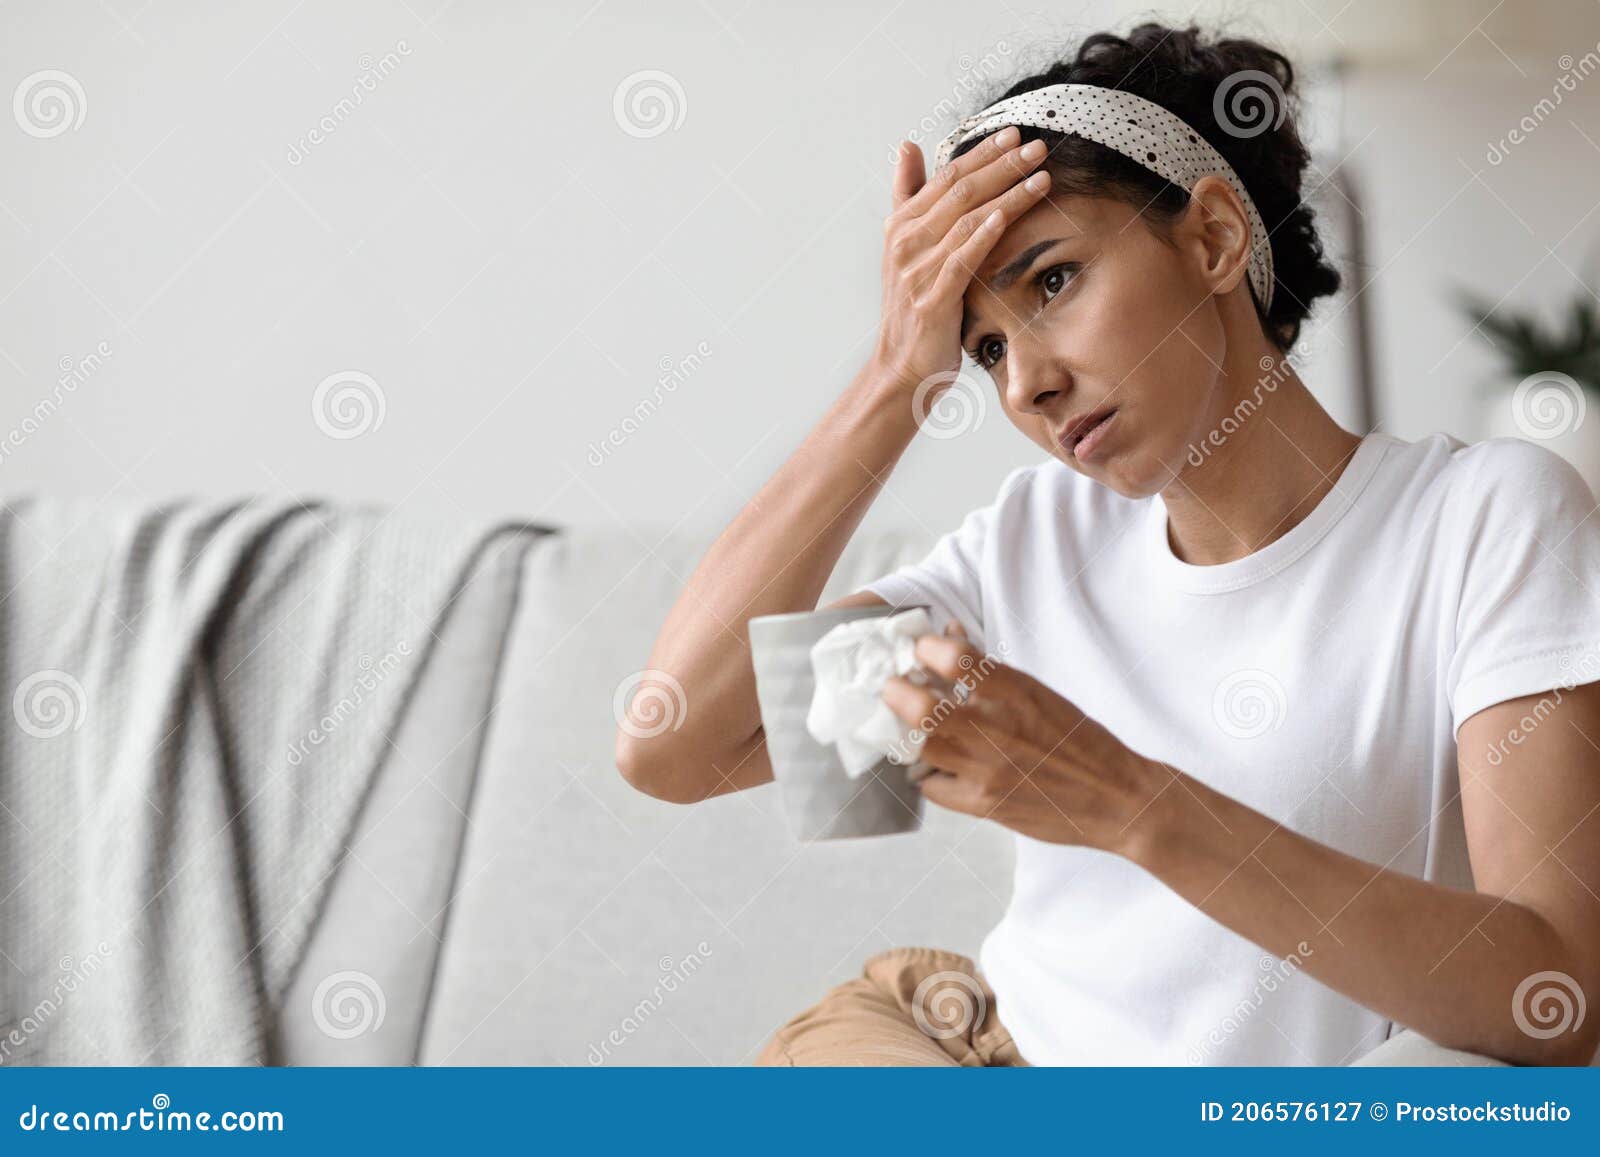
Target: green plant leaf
(1528,346)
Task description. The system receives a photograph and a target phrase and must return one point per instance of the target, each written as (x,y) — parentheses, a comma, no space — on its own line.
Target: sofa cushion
(595,925)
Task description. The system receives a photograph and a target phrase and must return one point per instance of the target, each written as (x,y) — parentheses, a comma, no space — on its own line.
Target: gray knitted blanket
(195,698)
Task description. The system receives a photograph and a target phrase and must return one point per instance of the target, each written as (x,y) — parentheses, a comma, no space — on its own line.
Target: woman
(1298,729)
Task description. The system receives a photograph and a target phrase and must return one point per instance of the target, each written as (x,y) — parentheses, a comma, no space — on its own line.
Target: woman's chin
(1127,470)
(1117,480)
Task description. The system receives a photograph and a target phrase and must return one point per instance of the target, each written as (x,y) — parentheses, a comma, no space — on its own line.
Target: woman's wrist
(884,401)
(1172,824)
(882,378)
(1194,838)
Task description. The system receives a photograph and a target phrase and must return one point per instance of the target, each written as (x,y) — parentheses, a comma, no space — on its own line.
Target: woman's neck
(1262,472)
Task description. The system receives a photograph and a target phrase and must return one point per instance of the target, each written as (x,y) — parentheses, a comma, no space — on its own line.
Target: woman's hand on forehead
(936,237)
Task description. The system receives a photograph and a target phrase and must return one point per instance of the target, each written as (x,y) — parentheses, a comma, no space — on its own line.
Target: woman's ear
(1216,230)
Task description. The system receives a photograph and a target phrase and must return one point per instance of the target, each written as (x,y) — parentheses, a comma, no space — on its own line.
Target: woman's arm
(774,557)
(777,554)
(1460,967)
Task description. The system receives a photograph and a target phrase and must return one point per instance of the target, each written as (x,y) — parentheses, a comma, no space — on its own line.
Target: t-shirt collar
(1275,556)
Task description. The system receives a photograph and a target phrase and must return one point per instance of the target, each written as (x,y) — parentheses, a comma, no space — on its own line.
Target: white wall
(1522,231)
(513,269)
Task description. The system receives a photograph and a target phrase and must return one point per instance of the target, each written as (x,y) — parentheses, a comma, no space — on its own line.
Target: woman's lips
(1087,446)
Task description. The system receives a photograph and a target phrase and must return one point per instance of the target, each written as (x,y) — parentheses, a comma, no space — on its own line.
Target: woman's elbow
(646,765)
(1552,1022)
(1576,1047)
(1570,1049)
(1552,1007)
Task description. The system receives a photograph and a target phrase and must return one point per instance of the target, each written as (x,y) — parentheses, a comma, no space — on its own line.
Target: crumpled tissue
(851,664)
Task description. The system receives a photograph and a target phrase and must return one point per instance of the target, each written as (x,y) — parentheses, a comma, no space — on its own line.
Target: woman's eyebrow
(1018,265)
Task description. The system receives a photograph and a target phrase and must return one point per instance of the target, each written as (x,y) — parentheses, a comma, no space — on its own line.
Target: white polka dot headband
(1140,130)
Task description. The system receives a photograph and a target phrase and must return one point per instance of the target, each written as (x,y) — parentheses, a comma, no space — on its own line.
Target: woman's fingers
(919,335)
(955,792)
(968,195)
(972,776)
(907,172)
(1011,203)
(940,181)
(946,656)
(937,711)
(972,238)
(910,701)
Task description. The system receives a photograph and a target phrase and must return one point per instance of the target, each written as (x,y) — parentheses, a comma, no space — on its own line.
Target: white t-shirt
(1319,680)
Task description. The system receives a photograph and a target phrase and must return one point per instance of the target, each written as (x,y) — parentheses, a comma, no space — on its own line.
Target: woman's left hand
(1016,752)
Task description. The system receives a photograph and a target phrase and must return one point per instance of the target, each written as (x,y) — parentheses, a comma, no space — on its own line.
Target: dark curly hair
(1185,73)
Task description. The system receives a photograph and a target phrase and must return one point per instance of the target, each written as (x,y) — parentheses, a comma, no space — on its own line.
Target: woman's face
(1103,339)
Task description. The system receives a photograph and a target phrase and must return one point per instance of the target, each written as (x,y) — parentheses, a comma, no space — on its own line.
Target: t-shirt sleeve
(950,579)
(1528,618)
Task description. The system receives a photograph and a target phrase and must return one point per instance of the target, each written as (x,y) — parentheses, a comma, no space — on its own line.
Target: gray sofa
(515,902)
(508,899)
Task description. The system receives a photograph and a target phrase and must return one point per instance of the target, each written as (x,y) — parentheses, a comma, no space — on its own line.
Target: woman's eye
(1054,280)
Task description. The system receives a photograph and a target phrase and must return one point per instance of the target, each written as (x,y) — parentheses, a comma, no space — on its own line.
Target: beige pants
(920,1006)
(910,1006)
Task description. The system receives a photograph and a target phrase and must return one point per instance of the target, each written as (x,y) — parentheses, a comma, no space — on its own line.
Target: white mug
(819,797)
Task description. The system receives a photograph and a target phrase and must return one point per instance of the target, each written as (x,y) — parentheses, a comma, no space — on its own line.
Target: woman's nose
(1032,381)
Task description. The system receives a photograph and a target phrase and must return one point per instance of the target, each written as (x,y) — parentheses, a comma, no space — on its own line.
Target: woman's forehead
(1053,220)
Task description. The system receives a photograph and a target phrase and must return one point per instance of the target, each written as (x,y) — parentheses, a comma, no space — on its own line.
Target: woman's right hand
(938,234)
